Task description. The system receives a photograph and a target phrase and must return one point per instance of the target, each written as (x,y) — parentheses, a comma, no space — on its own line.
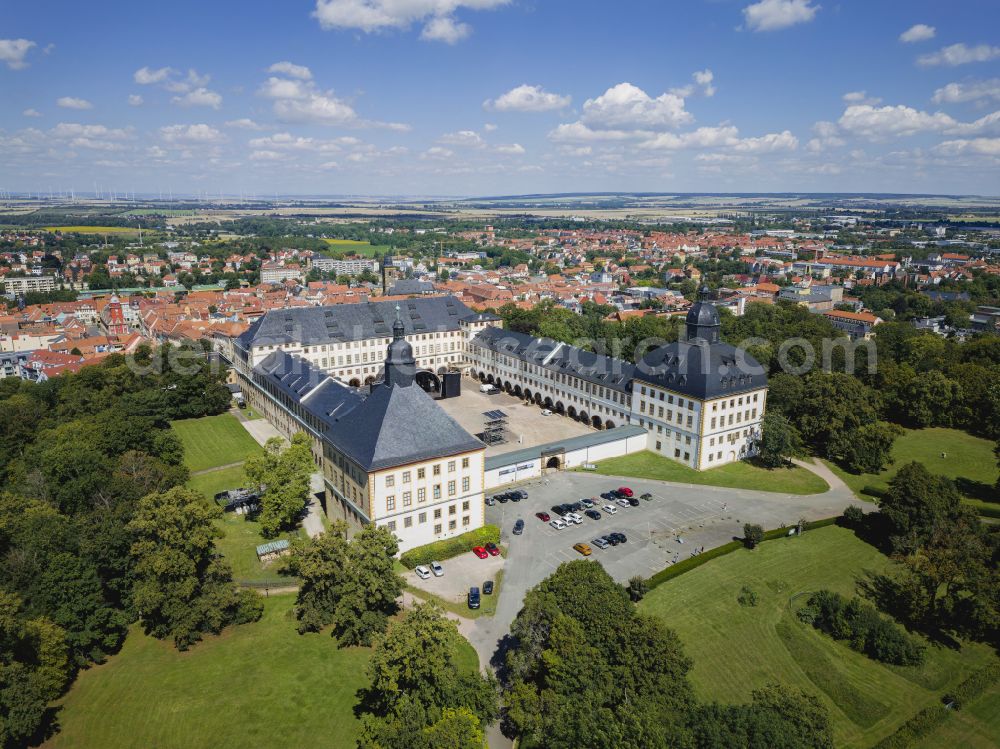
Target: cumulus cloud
(244,123)
(288,142)
(445,29)
(877,123)
(702,83)
(438,16)
(301,101)
(860,97)
(774,15)
(191,134)
(170,79)
(135,100)
(827,136)
(722,136)
(93,137)
(510,149)
(14,51)
(525,98)
(978,146)
(920,32)
(291,70)
(577,132)
(465,138)
(147,76)
(960,54)
(783,141)
(31,113)
(955,93)
(628,107)
(437,152)
(199,97)
(73,102)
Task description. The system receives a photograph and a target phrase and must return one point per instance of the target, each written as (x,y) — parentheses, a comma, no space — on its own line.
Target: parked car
(587,503)
(492,549)
(490,501)
(558,524)
(473,597)
(624,491)
(559,509)
(614,494)
(634,501)
(624,502)
(521,493)
(573,518)
(546,412)
(610,509)
(488,588)
(422,572)
(502,498)
(619,537)
(576,507)
(437,569)
(600,543)
(647,496)
(543,516)
(518,527)
(593,514)
(583,549)
(480,552)
(612,539)
(514,496)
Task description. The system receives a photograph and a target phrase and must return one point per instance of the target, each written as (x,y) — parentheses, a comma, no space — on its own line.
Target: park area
(738,475)
(256,685)
(214,441)
(737,649)
(967,460)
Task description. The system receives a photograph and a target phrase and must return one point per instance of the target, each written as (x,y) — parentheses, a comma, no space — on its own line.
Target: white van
(489,389)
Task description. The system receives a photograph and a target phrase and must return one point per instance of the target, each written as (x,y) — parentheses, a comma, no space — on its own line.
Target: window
(465,484)
(407,499)
(437,491)
(408,521)
(465,462)
(659,446)
(422,517)
(421,473)
(451,466)
(451,489)
(421,494)
(437,469)
(713,421)
(390,481)
(390,503)
(406,477)
(452,510)
(687,456)
(466,520)
(437,514)
(451,525)
(437,529)
(391,525)
(677,452)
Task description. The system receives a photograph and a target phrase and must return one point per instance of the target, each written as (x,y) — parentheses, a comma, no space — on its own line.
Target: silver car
(437,569)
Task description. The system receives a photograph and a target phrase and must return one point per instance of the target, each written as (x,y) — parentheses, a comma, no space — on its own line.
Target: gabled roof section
(701,370)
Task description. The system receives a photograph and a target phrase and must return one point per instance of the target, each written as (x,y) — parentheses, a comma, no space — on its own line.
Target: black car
(488,588)
(521,493)
(502,498)
(576,507)
(647,496)
(490,501)
(619,537)
(593,514)
(633,501)
(557,510)
(514,496)
(518,527)
(473,597)
(612,538)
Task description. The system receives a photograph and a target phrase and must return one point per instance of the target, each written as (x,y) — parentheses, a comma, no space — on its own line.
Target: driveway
(661,532)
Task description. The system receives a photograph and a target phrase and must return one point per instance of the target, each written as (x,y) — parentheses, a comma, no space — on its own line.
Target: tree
(753,535)
(458,728)
(637,588)
(321,563)
(779,440)
(286,478)
(915,505)
(866,449)
(182,587)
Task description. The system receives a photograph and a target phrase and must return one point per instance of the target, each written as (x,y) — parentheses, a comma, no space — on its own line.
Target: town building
(19,285)
(345,267)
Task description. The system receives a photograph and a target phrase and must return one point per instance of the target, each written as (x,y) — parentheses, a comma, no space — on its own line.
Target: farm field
(736,649)
(968,460)
(355,247)
(213,441)
(256,685)
(740,475)
(93,229)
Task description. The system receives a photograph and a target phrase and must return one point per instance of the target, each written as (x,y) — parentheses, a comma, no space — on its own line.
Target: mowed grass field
(736,649)
(740,475)
(256,685)
(356,247)
(967,459)
(975,726)
(213,441)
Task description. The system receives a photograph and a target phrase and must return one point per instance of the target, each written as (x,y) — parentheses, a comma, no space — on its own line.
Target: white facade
(23,285)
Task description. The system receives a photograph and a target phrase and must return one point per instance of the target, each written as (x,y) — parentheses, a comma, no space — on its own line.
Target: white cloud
(13,52)
(289,142)
(437,152)
(199,97)
(511,149)
(465,138)
(827,136)
(299,101)
(880,122)
(783,141)
(31,113)
(702,84)
(860,97)
(72,102)
(282,88)
(525,98)
(291,70)
(954,93)
(135,100)
(960,54)
(438,16)
(628,107)
(191,134)
(94,137)
(146,76)
(265,156)
(244,123)
(773,15)
(920,32)
(577,132)
(445,29)
(703,137)
(489,127)
(980,146)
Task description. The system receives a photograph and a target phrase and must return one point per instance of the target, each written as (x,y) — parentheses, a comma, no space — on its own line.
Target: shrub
(865,630)
(854,516)
(637,588)
(747,597)
(753,534)
(450,547)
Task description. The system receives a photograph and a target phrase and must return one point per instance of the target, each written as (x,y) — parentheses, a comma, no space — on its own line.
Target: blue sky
(486,97)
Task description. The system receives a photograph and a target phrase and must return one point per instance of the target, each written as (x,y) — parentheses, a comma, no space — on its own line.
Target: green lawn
(355,247)
(211,483)
(975,726)
(213,441)
(239,546)
(737,649)
(968,460)
(257,685)
(740,475)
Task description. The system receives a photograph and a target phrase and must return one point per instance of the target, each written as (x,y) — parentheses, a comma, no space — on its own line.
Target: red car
(543,516)
(480,552)
(624,491)
(493,549)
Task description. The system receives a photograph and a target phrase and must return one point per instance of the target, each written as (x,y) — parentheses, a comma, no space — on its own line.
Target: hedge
(696,561)
(928,719)
(984,509)
(450,547)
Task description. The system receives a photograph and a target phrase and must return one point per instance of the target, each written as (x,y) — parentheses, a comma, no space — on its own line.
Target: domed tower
(703,319)
(400,366)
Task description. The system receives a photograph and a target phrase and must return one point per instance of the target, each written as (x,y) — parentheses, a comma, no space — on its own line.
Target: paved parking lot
(460,574)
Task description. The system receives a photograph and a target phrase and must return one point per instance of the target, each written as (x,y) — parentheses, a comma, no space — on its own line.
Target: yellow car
(583,549)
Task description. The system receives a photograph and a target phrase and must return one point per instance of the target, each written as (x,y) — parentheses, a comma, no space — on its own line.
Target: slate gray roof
(405,286)
(319,393)
(701,369)
(352,322)
(558,357)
